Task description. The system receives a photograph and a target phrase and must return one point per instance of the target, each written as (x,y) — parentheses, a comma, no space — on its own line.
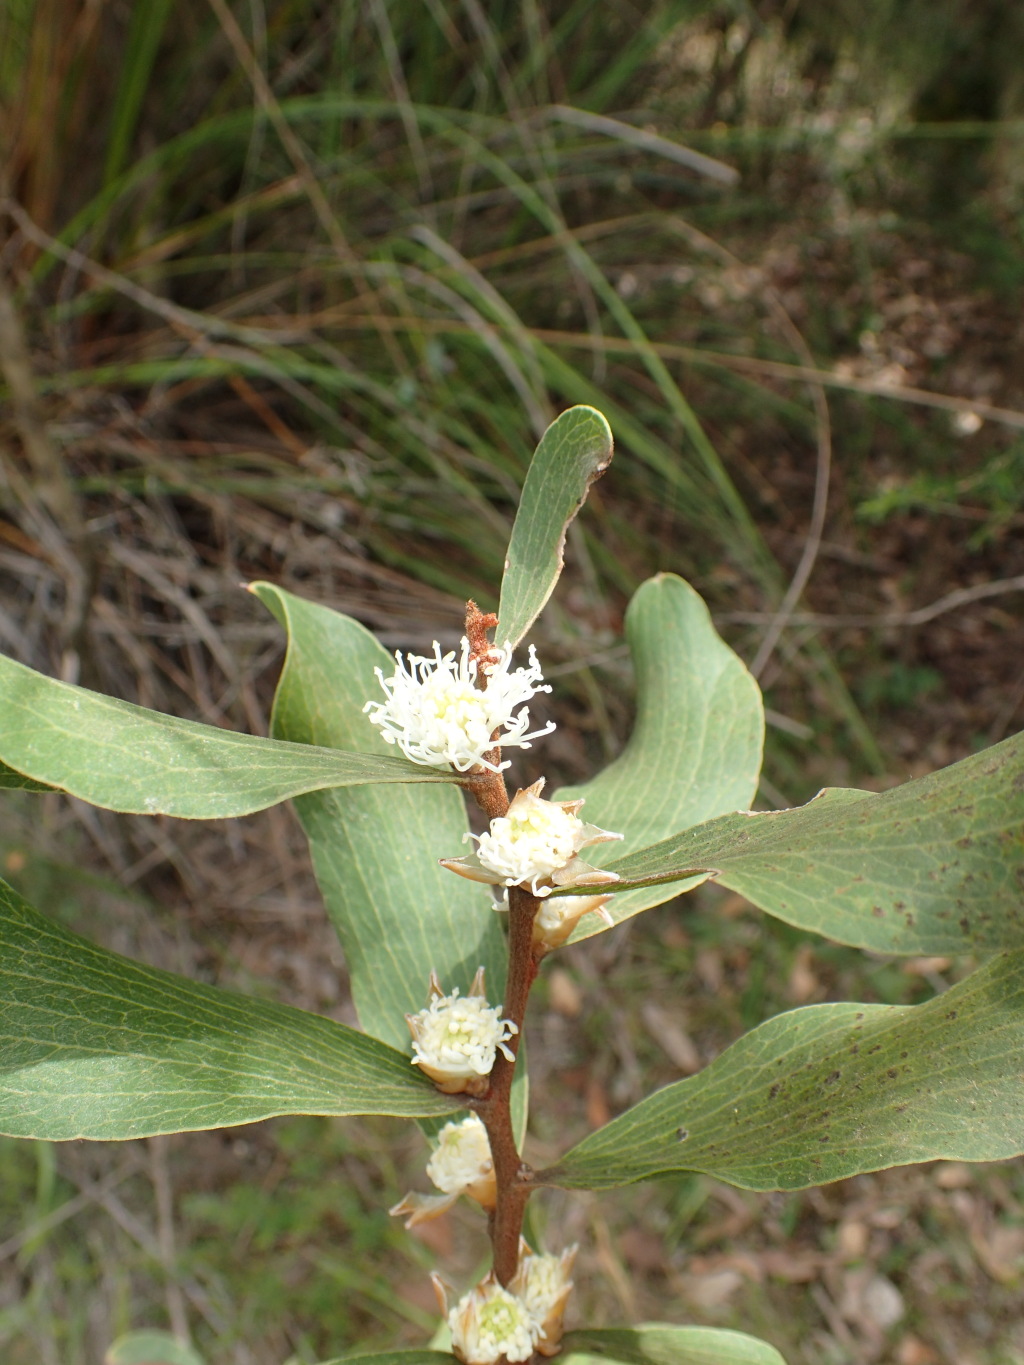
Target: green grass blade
(149,18)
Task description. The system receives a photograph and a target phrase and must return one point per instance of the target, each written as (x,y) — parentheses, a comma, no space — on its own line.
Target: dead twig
(161,1176)
(960,597)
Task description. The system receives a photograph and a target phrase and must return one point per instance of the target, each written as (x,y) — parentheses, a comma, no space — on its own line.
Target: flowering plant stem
(488,789)
(513,1177)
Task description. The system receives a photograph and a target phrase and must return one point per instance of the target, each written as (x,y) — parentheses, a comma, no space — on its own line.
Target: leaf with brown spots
(933,866)
(830,1091)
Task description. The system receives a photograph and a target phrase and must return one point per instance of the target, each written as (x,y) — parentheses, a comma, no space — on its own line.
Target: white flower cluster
(462,1158)
(460,1164)
(436,713)
(543,1283)
(456,1038)
(491,1322)
(530,843)
(536,844)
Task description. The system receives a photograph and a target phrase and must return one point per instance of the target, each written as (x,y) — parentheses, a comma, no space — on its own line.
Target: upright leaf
(575,450)
(933,866)
(95,1046)
(397,912)
(695,750)
(829,1091)
(660,1344)
(127,758)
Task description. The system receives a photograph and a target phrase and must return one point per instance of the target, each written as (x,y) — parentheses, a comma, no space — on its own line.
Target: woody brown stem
(488,790)
(513,1177)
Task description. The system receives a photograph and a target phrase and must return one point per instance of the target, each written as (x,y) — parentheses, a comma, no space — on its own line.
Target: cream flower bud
(455,1039)
(535,845)
(489,1324)
(460,1164)
(436,713)
(558,917)
(543,1284)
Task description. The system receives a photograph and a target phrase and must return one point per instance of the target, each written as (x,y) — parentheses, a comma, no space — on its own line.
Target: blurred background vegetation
(289,290)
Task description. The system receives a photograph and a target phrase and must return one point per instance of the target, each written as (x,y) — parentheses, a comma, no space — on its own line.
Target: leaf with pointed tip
(829,1091)
(124,757)
(933,866)
(93,1045)
(575,450)
(150,1348)
(661,1344)
(397,912)
(695,750)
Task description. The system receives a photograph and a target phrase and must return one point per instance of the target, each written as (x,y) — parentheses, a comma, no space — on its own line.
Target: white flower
(536,838)
(436,713)
(455,1039)
(535,845)
(460,1164)
(489,1323)
(543,1284)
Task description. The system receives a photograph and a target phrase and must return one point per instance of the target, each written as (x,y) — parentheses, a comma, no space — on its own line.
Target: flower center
(461,1035)
(456,703)
(499,1320)
(530,844)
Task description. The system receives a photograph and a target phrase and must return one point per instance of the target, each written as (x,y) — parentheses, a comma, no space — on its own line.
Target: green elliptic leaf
(95,1046)
(395,1358)
(695,750)
(830,1091)
(126,758)
(650,1344)
(661,1344)
(150,1348)
(933,866)
(575,450)
(10,780)
(375,853)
